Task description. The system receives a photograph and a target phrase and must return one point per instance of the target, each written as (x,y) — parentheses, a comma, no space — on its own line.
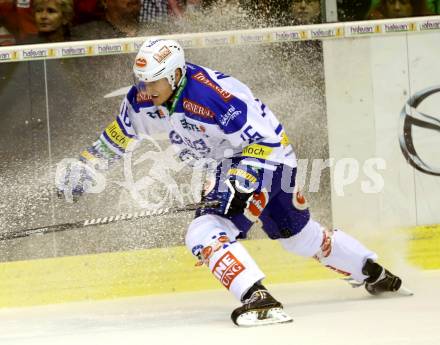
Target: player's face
(48,16)
(306,11)
(159,91)
(399,8)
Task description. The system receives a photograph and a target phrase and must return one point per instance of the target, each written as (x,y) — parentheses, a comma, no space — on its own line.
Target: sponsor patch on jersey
(115,134)
(257,151)
(142,97)
(141,62)
(227,268)
(242,173)
(202,78)
(191,126)
(197,109)
(163,54)
(257,205)
(230,116)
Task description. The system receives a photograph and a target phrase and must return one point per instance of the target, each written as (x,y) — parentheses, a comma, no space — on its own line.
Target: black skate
(381,280)
(259,308)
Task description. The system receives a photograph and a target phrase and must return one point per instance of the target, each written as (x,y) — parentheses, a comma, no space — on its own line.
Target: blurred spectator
(87,10)
(18,18)
(397,9)
(6,38)
(433,6)
(306,11)
(153,11)
(120,20)
(180,8)
(352,10)
(176,8)
(53,19)
(191,5)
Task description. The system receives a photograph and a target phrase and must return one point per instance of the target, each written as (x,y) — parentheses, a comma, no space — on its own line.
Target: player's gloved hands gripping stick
(75,177)
(242,182)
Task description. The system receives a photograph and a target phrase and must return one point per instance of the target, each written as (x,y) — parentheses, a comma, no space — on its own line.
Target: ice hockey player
(208,114)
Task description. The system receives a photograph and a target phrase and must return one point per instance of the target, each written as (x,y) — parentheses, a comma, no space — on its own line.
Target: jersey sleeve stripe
(122,127)
(289,153)
(269,144)
(259,164)
(278,129)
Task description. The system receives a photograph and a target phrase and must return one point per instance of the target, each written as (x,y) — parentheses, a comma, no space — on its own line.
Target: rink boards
(369,81)
(167,270)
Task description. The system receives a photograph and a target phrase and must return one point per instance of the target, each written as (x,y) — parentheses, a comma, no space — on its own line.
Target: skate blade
(263,317)
(405,291)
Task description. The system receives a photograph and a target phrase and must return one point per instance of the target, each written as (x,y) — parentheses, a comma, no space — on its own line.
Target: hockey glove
(242,181)
(74,177)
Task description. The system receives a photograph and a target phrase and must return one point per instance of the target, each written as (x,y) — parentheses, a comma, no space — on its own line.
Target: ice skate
(381,280)
(259,309)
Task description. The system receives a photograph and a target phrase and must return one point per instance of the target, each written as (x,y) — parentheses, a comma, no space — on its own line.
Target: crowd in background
(39,21)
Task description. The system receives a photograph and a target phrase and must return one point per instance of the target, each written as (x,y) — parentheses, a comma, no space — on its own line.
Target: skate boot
(380,280)
(259,308)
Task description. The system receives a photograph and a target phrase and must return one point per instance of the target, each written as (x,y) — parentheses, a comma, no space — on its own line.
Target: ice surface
(324,312)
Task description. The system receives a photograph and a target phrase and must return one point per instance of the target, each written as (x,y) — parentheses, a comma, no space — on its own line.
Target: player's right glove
(242,182)
(74,177)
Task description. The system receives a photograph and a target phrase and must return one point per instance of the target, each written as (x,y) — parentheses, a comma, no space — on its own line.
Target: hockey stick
(106,220)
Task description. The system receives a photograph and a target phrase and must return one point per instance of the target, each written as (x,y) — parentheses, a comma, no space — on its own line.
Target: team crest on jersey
(202,78)
(299,201)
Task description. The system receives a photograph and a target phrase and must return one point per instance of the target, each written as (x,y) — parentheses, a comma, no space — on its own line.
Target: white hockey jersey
(215,116)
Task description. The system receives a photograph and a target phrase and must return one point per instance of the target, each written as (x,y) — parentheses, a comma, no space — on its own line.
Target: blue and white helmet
(157,59)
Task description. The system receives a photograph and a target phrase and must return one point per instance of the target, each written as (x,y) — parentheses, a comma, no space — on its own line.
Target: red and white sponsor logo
(326,245)
(299,201)
(258,203)
(141,62)
(198,109)
(162,55)
(142,97)
(227,268)
(214,247)
(207,252)
(223,239)
(202,78)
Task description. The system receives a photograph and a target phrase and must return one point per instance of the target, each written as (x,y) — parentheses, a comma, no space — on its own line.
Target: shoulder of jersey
(137,101)
(203,99)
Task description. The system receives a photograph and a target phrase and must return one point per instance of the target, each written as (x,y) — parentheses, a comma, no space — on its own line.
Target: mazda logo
(410,116)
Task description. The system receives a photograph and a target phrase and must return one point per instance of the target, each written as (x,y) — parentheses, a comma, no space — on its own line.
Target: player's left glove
(242,181)
(74,178)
